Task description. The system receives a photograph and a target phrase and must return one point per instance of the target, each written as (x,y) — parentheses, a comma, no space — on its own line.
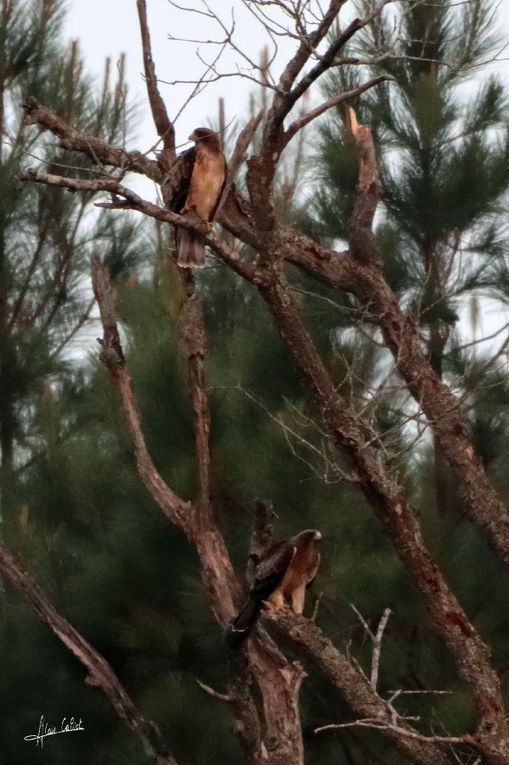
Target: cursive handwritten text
(45,730)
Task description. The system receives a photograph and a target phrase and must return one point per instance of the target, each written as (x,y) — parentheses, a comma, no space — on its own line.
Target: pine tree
(443,143)
(44,237)
(45,308)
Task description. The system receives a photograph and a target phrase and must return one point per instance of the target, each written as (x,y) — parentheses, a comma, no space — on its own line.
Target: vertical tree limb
(175,509)
(366,198)
(279,681)
(162,122)
(377,647)
(193,336)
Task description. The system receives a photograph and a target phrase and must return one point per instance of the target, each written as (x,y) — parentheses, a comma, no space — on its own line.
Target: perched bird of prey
(281,578)
(195,189)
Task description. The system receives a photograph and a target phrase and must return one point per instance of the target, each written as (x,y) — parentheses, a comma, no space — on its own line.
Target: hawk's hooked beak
(193,137)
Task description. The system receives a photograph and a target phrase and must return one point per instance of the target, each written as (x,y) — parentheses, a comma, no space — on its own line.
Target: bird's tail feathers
(242,625)
(190,250)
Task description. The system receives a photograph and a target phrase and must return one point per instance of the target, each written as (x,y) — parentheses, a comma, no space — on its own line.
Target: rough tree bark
(273,735)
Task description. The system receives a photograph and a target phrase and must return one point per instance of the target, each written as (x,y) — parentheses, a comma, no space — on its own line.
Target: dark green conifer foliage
(45,306)
(442,136)
(45,237)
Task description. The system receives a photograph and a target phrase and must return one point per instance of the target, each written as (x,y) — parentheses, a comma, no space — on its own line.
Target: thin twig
(215,694)
(377,647)
(375,724)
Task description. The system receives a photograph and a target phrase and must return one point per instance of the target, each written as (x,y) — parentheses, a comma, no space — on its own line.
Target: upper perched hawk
(195,188)
(281,577)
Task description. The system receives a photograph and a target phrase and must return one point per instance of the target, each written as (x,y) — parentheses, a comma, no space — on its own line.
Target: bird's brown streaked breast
(206,183)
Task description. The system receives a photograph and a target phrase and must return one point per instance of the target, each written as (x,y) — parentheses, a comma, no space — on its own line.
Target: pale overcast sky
(109,27)
(118,32)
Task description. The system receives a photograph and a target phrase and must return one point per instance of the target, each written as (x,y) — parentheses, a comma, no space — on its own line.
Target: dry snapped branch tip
(366,199)
(352,120)
(111,348)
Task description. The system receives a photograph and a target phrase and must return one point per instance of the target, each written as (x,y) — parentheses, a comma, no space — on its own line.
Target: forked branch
(357,690)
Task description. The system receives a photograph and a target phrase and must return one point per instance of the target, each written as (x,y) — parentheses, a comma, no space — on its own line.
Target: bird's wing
(175,187)
(272,568)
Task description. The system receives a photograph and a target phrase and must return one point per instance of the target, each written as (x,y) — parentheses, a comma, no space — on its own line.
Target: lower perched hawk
(281,577)
(196,185)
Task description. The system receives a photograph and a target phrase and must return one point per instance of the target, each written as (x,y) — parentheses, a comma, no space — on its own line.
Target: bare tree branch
(126,199)
(238,156)
(229,698)
(98,151)
(175,509)
(376,639)
(308,44)
(398,729)
(99,673)
(326,60)
(355,686)
(162,122)
(377,647)
(335,101)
